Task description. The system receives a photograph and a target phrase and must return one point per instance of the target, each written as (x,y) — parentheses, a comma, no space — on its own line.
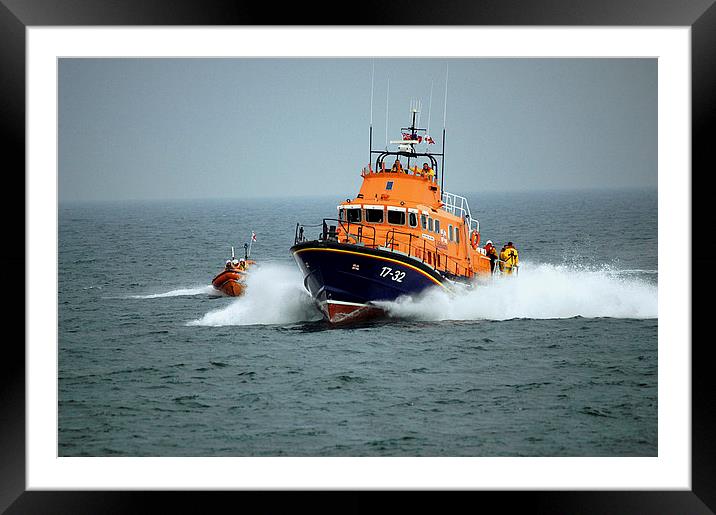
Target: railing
(407,243)
(458,206)
(427,252)
(343,232)
(415,171)
(498,271)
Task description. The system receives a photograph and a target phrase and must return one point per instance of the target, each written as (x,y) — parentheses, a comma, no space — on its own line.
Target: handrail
(502,272)
(328,235)
(458,206)
(405,171)
(442,259)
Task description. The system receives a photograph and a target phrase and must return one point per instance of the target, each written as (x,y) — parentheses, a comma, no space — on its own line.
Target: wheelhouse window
(374,216)
(396,217)
(412,219)
(424,221)
(457,235)
(353,215)
(430,224)
(450,232)
(437,226)
(341,214)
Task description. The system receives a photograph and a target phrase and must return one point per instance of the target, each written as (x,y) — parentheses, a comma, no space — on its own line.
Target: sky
(156,128)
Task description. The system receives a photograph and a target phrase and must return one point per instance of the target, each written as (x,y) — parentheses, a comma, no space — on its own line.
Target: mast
(370,141)
(442,175)
(410,138)
(387,97)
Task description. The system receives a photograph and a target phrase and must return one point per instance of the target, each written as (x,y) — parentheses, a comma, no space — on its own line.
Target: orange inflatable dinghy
(231,280)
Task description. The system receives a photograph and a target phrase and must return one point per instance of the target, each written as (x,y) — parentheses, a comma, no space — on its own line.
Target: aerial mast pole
(370,142)
(387,97)
(442,175)
(430,107)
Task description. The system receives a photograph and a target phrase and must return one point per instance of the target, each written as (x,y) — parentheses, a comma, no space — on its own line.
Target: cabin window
(396,217)
(457,235)
(353,215)
(424,221)
(437,226)
(412,219)
(430,224)
(450,232)
(374,216)
(342,214)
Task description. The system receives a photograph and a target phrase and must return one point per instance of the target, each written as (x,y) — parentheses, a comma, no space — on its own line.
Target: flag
(253,236)
(429,139)
(406,136)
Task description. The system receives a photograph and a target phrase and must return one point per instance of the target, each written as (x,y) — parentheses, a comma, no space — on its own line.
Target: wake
(275,295)
(541,291)
(183,292)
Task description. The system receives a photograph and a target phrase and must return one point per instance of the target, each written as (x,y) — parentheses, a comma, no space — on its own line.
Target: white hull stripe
(344,303)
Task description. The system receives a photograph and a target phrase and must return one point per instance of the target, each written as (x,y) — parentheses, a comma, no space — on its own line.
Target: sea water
(558,361)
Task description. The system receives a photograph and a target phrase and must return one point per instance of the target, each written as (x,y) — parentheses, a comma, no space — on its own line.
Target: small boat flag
(253,236)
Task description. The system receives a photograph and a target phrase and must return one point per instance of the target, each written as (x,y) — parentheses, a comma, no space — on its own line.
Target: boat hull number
(395,275)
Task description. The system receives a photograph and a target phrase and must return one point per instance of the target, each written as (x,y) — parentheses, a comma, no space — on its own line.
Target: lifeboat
(231,280)
(401,233)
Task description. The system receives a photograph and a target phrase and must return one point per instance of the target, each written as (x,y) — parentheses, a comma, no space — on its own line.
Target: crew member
(428,172)
(228,264)
(501,263)
(242,264)
(397,167)
(510,258)
(491,253)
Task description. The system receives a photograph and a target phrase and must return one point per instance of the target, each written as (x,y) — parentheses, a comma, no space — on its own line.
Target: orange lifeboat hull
(230,283)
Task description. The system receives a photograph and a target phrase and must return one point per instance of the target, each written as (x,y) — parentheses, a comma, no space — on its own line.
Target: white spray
(540,292)
(274,295)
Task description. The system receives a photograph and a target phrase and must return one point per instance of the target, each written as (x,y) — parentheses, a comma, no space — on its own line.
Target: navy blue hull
(347,278)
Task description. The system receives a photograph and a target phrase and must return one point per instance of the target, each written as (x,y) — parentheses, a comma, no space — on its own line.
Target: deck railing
(458,206)
(425,251)
(416,247)
(333,229)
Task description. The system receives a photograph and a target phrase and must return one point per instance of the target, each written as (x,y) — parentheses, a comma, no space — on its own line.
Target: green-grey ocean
(559,361)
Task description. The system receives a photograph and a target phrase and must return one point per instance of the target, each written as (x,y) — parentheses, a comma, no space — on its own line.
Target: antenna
(418,109)
(387,97)
(430,106)
(370,141)
(447,71)
(442,175)
(372,83)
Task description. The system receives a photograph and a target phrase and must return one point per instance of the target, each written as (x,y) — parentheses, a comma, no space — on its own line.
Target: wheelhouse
(401,207)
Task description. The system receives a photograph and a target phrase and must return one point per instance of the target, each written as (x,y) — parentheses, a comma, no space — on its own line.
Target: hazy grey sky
(201,128)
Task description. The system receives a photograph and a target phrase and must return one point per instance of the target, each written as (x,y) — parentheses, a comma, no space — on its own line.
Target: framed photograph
(206,206)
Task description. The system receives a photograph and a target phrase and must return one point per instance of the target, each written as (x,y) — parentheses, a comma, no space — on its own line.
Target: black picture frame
(700,15)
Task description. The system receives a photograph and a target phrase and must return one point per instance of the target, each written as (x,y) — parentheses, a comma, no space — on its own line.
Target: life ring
(474,239)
